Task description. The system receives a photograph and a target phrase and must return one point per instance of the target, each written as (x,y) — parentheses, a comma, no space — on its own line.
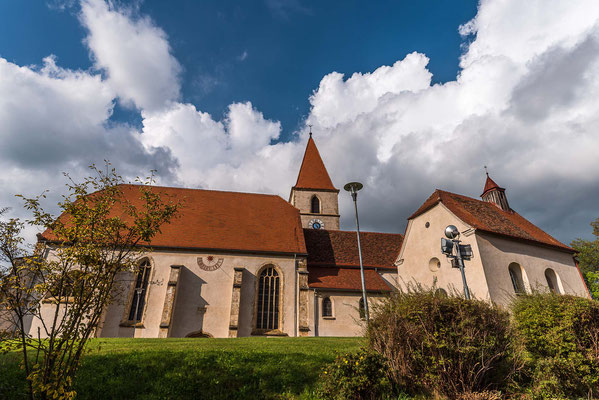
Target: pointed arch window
(327,307)
(139,292)
(268,299)
(315,205)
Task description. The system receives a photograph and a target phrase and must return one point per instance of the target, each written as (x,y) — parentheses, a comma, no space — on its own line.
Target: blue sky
(270,52)
(405,96)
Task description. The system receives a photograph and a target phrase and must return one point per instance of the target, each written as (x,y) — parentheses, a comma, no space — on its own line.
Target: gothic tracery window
(268,299)
(139,292)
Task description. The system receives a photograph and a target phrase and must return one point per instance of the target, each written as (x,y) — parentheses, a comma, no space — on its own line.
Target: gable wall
(421,244)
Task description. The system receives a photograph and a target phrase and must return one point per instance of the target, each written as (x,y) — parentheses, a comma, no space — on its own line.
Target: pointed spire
(313,174)
(493,193)
(490,185)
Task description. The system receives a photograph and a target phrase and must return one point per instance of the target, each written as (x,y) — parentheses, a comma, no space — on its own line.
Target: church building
(242,264)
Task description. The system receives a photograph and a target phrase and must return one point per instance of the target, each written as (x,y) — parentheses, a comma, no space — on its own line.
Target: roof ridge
(200,189)
(342,231)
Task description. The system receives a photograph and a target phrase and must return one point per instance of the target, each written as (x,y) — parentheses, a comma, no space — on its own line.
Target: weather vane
(310,130)
(486,171)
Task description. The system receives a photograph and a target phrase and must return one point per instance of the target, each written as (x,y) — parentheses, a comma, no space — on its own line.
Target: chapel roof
(313,174)
(340,248)
(219,220)
(487,217)
(346,279)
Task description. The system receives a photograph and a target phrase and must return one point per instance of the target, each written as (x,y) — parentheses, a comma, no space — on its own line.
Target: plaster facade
(422,243)
(329,206)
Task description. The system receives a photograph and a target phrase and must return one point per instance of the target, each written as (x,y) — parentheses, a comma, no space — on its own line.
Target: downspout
(315,313)
(295,289)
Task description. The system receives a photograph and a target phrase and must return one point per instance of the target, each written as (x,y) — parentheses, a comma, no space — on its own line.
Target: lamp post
(457,252)
(353,188)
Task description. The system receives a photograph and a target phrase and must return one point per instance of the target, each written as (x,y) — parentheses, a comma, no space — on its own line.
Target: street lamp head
(353,187)
(452,232)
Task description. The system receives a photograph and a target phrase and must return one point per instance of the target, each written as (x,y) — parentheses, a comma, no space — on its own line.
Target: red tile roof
(313,174)
(218,220)
(346,279)
(490,185)
(489,218)
(340,248)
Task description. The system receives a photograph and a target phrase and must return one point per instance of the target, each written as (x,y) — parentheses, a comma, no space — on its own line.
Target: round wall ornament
(211,263)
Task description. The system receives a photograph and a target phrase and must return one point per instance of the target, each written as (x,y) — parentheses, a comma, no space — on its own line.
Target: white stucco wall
(421,244)
(204,297)
(498,253)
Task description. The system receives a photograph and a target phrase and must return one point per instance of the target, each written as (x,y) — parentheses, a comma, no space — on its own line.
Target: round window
(434,264)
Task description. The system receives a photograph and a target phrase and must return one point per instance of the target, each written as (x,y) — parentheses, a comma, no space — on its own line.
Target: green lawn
(243,368)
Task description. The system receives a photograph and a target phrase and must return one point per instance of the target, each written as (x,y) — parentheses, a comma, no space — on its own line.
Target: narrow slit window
(140,291)
(327,307)
(268,299)
(361,308)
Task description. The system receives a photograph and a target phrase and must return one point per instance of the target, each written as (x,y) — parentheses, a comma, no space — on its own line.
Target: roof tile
(346,279)
(313,174)
(487,217)
(210,219)
(340,248)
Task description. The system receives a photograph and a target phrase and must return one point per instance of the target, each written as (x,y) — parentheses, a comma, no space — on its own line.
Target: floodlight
(451,232)
(446,247)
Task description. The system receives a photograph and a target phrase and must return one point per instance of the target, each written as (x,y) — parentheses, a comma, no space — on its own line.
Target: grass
(243,368)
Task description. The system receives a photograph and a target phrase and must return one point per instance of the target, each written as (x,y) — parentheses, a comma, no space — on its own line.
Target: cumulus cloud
(523,103)
(134,53)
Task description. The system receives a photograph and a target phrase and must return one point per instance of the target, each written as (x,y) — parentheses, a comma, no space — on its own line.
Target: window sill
(131,324)
(263,332)
(329,317)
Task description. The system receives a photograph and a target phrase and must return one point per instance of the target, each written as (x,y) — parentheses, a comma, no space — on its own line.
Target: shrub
(442,345)
(355,376)
(561,336)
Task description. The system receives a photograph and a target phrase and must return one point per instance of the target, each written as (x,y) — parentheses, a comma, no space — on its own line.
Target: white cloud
(524,103)
(135,54)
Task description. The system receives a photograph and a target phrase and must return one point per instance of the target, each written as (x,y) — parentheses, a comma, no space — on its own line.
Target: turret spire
(493,193)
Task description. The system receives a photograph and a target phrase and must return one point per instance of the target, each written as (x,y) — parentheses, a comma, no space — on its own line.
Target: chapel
(243,264)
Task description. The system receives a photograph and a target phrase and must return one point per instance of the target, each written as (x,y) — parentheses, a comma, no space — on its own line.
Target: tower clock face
(316,224)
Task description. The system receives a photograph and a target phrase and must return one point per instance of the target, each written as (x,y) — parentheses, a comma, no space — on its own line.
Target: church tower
(314,194)
(495,194)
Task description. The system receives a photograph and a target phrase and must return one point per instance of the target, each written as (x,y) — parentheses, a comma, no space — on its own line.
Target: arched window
(140,291)
(361,308)
(516,277)
(552,281)
(315,205)
(268,299)
(327,307)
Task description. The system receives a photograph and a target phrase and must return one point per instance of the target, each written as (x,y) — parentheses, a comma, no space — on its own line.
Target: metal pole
(461,265)
(354,195)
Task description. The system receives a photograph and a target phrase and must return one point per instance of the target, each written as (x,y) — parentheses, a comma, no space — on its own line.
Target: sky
(404,96)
